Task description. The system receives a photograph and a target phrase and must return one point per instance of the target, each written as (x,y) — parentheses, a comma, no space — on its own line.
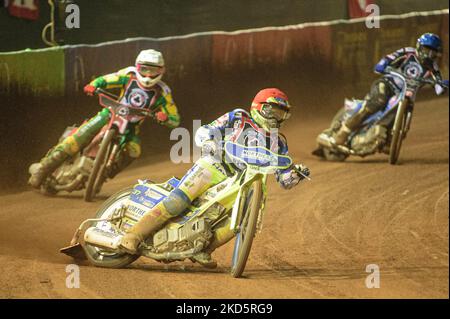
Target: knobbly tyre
(239,198)
(88,168)
(382,132)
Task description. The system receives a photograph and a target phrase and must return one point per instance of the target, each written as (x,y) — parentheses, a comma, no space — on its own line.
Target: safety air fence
(317,64)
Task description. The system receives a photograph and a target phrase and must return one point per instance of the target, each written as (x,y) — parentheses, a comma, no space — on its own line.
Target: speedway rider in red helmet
(270,108)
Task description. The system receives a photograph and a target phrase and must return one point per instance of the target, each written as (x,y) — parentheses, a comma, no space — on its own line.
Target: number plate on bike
(146,195)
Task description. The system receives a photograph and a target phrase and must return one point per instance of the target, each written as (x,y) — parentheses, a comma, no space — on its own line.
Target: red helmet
(270,108)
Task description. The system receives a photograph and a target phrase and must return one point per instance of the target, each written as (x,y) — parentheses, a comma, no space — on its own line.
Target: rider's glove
(291,177)
(303,170)
(439,89)
(161,117)
(89,89)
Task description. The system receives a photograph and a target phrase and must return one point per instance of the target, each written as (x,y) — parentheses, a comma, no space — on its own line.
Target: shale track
(316,242)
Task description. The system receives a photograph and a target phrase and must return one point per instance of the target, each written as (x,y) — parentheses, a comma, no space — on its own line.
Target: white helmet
(150,67)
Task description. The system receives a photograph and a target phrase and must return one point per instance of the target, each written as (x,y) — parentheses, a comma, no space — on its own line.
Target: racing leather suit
(157,98)
(405,60)
(210,170)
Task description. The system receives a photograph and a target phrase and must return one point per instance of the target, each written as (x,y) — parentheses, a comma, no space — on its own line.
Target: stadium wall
(159,18)
(317,64)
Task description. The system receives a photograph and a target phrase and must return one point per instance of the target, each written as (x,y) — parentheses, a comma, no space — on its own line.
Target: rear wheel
(247,228)
(101,257)
(99,162)
(397,133)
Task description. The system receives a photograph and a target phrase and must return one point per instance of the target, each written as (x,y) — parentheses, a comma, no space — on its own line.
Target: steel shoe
(204,259)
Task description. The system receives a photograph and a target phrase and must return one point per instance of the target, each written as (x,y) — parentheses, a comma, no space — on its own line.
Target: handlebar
(398,73)
(300,172)
(443,84)
(99,90)
(110,101)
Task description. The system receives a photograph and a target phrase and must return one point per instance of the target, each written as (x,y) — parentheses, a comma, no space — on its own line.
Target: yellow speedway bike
(238,201)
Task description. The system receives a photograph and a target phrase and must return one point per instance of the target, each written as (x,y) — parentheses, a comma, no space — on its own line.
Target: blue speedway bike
(382,132)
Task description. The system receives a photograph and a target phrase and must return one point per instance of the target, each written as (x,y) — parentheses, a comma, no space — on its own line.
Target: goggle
(429,53)
(149,70)
(275,111)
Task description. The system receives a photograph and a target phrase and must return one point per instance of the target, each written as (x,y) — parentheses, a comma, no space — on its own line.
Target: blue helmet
(429,47)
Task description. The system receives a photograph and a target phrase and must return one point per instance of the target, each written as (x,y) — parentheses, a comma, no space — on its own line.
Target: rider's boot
(40,171)
(347,127)
(173,205)
(341,136)
(146,226)
(222,235)
(380,93)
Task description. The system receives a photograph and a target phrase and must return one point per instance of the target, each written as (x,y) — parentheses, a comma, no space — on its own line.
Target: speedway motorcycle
(240,199)
(383,131)
(88,168)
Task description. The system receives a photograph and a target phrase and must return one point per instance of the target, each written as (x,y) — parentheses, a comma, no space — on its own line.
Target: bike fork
(407,122)
(112,157)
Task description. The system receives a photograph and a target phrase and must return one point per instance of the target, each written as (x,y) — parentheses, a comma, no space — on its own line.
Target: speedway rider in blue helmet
(419,62)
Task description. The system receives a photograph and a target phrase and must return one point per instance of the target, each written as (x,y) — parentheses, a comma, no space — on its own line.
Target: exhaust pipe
(328,142)
(71,186)
(101,238)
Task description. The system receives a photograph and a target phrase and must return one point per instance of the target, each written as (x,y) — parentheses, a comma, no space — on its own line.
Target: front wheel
(397,133)
(99,162)
(247,228)
(103,258)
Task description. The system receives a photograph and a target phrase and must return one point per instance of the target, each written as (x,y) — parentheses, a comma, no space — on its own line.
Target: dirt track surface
(316,242)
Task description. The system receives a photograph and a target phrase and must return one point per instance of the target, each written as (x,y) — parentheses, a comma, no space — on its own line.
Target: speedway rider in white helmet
(141,87)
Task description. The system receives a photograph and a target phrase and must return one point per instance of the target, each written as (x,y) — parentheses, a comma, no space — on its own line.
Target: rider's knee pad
(176,202)
(356,119)
(133,149)
(69,146)
(378,97)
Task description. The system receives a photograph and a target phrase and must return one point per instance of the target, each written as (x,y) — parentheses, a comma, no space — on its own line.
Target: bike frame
(121,115)
(230,197)
(390,106)
(260,162)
